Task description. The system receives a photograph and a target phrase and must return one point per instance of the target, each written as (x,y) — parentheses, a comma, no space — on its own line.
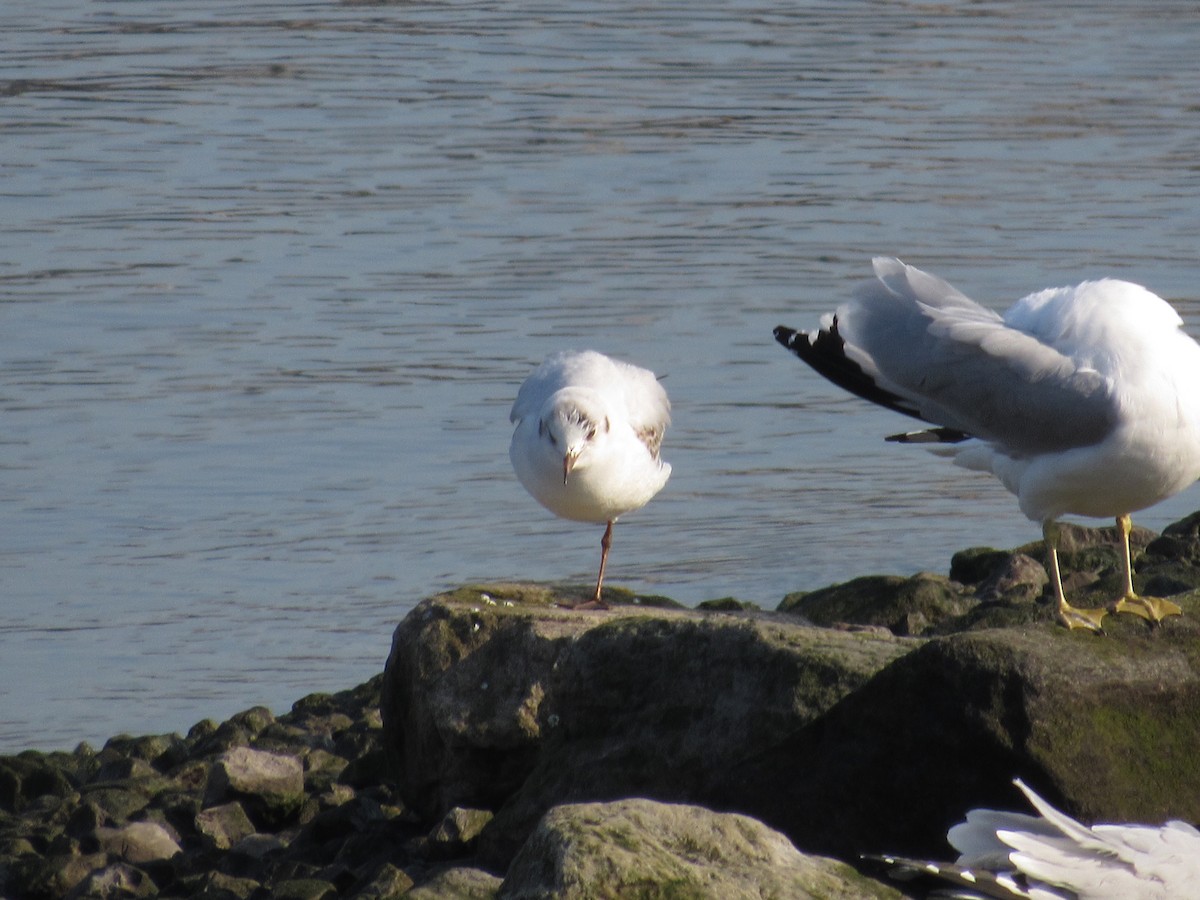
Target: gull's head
(572,426)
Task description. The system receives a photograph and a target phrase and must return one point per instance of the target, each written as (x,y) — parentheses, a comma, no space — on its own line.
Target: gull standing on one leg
(587,440)
(1082,400)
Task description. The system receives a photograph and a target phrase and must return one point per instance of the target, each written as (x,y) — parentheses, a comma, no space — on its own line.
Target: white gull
(587,440)
(1082,400)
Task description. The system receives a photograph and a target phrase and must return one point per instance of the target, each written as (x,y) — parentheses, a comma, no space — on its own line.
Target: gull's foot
(1152,609)
(1088,619)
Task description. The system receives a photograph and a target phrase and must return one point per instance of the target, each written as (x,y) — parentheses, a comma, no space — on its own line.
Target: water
(272,273)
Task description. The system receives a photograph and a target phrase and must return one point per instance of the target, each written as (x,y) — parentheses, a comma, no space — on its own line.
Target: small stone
(221,885)
(455,834)
(270,785)
(258,846)
(116,803)
(388,883)
(475,884)
(224,825)
(138,842)
(55,875)
(304,889)
(1017,579)
(321,769)
(116,880)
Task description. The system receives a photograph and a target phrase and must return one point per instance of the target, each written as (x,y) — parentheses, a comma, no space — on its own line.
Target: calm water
(271,273)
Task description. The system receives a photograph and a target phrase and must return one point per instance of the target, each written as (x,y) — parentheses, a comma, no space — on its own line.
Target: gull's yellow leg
(1155,609)
(1067,614)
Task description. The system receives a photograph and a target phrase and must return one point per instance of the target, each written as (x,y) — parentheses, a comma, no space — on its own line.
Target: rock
(226,887)
(632,848)
(111,823)
(304,889)
(523,706)
(116,803)
(269,785)
(460,882)
(1017,578)
(115,880)
(224,825)
(455,834)
(386,883)
(905,606)
(1104,727)
(138,842)
(29,776)
(53,875)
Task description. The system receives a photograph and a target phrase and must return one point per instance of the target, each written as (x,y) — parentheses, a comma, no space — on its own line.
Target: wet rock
(618,849)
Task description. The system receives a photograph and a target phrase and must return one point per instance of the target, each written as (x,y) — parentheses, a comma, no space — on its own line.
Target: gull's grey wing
(961,366)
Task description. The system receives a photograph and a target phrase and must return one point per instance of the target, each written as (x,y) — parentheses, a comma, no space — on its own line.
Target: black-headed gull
(1082,400)
(587,440)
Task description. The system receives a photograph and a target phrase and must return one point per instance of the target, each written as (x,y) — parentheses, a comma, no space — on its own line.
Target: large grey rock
(639,848)
(517,706)
(847,741)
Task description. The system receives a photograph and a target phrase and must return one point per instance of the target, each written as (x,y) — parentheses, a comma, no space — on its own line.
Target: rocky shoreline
(516,749)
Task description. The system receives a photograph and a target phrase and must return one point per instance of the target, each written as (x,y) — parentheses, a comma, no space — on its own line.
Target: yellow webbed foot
(1089,619)
(1152,609)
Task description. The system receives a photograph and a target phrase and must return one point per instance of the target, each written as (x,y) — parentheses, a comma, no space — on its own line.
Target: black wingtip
(784,335)
(939,435)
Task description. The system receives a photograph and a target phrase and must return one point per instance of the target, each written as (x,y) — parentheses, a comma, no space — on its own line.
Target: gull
(1081,400)
(1053,857)
(587,439)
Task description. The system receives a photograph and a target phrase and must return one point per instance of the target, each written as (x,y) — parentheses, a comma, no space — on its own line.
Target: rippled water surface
(271,273)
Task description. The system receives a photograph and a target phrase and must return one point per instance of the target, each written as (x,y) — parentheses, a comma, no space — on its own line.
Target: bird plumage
(1082,400)
(1051,856)
(588,436)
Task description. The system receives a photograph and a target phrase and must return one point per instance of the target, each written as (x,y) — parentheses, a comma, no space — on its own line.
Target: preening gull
(1053,857)
(1082,400)
(587,440)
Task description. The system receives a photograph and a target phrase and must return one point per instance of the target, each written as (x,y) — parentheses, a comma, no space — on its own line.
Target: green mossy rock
(1104,726)
(642,850)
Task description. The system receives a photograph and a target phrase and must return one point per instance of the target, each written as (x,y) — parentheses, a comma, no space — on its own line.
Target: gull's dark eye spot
(591,433)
